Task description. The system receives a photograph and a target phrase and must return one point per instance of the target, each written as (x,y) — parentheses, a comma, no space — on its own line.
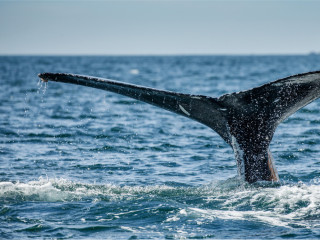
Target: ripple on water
(275,204)
(126,169)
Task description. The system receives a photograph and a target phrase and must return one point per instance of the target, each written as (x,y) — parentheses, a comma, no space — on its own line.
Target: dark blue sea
(82,163)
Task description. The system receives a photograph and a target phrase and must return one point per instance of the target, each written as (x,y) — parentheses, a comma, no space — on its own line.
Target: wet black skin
(245,120)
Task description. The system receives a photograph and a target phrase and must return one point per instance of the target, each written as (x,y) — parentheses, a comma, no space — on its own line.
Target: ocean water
(81,163)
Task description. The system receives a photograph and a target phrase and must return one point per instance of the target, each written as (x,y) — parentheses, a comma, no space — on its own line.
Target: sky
(164,27)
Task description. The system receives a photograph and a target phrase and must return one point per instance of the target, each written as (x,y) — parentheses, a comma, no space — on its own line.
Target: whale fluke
(245,120)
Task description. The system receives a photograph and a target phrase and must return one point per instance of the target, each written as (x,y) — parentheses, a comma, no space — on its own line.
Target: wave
(290,206)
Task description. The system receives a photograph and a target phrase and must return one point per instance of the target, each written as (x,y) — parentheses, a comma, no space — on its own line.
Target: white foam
(284,206)
(134,71)
(281,206)
(288,205)
(53,190)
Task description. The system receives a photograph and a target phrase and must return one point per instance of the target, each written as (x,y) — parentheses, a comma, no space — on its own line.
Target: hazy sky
(159,27)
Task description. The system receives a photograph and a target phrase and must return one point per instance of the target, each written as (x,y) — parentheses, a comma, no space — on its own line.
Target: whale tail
(246,120)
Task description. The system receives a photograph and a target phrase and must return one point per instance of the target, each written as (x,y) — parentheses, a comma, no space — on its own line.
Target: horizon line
(155,55)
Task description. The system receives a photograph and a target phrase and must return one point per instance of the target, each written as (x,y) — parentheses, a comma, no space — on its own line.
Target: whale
(245,120)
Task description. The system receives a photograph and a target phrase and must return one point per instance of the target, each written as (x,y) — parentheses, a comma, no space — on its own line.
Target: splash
(42,86)
(288,206)
(56,190)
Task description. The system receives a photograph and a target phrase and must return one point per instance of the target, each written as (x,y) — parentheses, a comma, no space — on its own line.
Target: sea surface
(82,163)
